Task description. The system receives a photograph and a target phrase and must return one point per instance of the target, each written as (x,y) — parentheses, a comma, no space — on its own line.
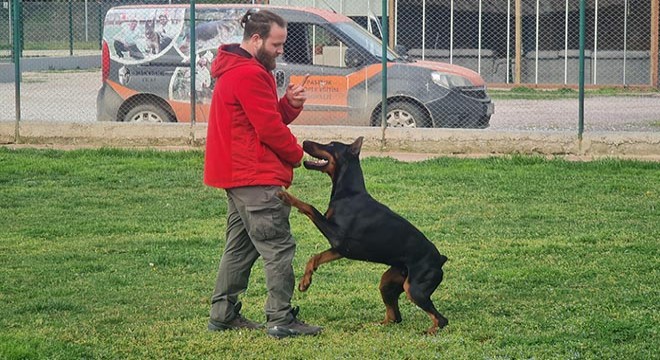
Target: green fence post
(384,39)
(193,61)
(581,75)
(100,18)
(17,66)
(70,28)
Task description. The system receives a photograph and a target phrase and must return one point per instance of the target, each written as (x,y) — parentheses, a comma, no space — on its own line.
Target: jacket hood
(229,57)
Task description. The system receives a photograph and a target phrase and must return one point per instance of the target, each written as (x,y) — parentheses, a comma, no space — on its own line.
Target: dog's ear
(356,146)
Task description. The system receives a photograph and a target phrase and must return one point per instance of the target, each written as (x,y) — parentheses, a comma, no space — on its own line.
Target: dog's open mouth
(315,164)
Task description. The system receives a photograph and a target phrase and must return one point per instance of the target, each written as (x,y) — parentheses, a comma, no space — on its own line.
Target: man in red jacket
(251,153)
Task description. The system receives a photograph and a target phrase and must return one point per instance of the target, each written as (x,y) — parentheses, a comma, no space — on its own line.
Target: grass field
(529,93)
(112,254)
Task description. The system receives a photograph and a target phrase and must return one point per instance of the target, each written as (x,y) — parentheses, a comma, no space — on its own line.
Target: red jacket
(248,141)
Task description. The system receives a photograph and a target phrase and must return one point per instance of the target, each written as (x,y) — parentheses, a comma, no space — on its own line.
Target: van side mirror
(353,57)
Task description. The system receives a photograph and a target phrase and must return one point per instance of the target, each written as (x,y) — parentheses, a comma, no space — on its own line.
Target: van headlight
(449,81)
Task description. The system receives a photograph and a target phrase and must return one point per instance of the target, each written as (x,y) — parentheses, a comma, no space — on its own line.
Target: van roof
(323,14)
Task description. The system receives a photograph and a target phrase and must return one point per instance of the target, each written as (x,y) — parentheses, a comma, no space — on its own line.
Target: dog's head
(149,27)
(331,157)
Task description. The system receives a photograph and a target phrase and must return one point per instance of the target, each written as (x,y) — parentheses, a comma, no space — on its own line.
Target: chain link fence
(486,64)
(483,36)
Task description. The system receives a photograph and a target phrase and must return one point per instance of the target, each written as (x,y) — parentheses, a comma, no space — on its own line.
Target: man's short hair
(258,21)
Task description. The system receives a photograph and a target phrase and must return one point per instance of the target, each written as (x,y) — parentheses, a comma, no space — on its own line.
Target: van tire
(148,113)
(484,122)
(406,114)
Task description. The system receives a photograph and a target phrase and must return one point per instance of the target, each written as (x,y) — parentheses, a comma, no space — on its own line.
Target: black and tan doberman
(359,227)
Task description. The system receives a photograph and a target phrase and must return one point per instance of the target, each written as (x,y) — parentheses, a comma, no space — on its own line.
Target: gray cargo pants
(257,225)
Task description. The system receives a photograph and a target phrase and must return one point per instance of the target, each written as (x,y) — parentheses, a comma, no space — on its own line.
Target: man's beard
(266,59)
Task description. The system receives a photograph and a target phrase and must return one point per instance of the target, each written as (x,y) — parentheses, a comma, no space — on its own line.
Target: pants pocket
(268,221)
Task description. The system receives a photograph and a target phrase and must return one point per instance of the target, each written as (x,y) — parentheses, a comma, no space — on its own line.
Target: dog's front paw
(285,197)
(304,283)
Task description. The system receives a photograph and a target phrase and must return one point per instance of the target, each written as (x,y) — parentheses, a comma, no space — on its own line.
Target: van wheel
(484,122)
(148,113)
(405,114)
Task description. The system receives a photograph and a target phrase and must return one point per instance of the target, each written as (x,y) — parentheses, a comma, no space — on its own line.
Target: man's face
(272,47)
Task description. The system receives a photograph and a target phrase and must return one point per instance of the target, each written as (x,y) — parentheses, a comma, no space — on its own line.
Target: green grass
(525,93)
(61,45)
(112,254)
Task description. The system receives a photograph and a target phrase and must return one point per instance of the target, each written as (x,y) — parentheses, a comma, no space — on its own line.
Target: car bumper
(458,110)
(108,103)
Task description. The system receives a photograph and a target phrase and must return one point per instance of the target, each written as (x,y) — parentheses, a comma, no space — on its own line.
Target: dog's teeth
(317,162)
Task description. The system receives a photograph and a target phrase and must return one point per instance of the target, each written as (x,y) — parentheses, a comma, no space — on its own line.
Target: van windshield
(361,36)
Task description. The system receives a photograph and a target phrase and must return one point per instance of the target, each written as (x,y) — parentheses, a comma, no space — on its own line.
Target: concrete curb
(7,70)
(424,141)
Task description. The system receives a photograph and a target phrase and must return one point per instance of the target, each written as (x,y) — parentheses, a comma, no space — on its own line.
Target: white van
(146,70)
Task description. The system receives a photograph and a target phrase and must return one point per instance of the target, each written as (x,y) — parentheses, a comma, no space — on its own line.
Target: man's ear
(356,146)
(256,40)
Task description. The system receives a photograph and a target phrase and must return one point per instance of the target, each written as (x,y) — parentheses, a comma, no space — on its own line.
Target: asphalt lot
(71,97)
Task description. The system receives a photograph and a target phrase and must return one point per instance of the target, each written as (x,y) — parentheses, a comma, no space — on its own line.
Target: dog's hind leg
(391,287)
(419,289)
(313,264)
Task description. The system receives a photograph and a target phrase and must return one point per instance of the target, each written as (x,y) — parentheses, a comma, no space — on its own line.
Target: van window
(313,45)
(367,40)
(297,49)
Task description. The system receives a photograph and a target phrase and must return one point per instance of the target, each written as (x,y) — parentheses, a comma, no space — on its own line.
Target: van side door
(334,96)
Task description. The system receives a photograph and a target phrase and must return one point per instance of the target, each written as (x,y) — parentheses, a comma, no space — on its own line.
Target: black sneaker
(294,328)
(239,322)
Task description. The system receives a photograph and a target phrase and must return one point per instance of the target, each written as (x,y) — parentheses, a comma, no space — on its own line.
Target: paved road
(635,113)
(71,97)
(53,96)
